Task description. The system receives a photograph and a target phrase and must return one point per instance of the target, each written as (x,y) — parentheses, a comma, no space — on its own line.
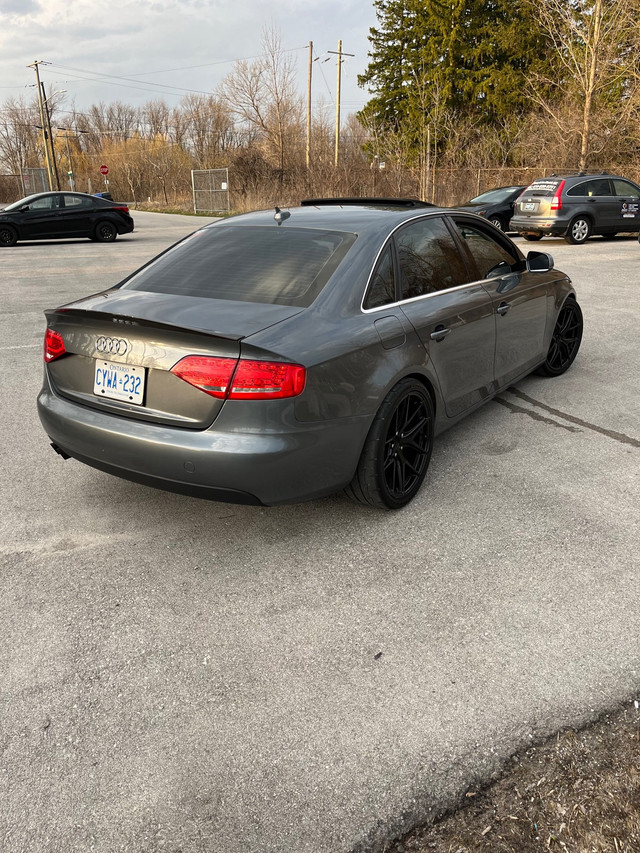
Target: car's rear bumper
(220,463)
(538,225)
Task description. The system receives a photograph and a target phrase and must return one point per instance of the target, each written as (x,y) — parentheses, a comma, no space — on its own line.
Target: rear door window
(591,189)
(76,201)
(428,258)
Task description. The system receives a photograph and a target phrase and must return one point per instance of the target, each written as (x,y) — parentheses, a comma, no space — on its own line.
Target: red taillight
(265,380)
(122,207)
(53,345)
(244,379)
(556,202)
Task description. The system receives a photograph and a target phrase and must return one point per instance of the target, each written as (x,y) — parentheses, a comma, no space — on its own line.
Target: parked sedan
(275,358)
(51,216)
(495,205)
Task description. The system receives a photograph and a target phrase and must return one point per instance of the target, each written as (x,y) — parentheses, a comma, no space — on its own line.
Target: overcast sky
(168,47)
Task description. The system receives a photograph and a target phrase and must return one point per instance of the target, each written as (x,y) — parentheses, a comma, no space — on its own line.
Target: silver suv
(577,206)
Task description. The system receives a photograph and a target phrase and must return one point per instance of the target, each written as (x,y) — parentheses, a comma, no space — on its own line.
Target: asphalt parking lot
(179,675)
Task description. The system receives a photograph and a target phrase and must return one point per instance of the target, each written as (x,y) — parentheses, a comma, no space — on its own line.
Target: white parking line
(21,346)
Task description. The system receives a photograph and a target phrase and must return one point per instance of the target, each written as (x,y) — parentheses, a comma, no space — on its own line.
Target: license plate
(119,382)
(529,205)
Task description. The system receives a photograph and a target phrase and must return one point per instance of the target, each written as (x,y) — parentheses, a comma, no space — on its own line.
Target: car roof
(353,215)
(580,176)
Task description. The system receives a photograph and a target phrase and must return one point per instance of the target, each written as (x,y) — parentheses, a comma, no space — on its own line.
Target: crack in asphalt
(536,417)
(616,436)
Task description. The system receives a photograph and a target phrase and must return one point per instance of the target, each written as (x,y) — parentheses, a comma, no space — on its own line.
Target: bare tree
(20,135)
(262,94)
(596,50)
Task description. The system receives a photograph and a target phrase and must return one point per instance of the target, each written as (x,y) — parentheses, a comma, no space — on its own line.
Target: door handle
(439,334)
(503,308)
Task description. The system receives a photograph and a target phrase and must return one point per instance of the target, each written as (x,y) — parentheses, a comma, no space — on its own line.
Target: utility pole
(53,150)
(70,174)
(309,105)
(44,132)
(340,54)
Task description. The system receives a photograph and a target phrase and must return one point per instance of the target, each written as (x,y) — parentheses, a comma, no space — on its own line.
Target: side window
(46,203)
(429,258)
(625,188)
(579,189)
(598,188)
(72,201)
(382,289)
(492,258)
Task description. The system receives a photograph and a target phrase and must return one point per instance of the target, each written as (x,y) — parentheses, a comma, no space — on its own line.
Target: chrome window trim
(421,215)
(426,296)
(443,214)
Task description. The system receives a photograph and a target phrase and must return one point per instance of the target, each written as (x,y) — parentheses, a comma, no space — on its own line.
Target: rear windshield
(494,196)
(543,187)
(273,264)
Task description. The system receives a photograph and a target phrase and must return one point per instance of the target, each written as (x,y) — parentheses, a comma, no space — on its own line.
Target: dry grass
(577,793)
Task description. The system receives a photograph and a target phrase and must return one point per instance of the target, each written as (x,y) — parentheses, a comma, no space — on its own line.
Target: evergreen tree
(463,57)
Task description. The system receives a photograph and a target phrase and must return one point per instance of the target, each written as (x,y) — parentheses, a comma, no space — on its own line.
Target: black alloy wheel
(8,236)
(398,448)
(565,341)
(498,222)
(579,231)
(106,232)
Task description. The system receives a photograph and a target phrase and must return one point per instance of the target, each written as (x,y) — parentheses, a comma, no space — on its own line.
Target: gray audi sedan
(277,357)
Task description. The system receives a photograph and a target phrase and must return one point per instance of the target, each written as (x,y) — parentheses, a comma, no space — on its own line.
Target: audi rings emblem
(113,346)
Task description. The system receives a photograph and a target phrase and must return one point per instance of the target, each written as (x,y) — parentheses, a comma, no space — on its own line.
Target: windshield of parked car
(272,264)
(17,204)
(494,196)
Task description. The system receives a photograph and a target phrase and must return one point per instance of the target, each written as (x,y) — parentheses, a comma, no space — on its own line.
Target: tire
(397,451)
(532,238)
(498,222)
(8,235)
(105,232)
(579,231)
(565,341)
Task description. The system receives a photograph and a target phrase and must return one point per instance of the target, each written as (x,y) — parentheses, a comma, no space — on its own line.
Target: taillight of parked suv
(556,201)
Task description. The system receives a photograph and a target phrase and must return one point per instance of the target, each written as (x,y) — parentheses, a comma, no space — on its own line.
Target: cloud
(152,40)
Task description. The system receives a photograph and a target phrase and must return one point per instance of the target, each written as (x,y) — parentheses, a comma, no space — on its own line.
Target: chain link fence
(35,181)
(210,190)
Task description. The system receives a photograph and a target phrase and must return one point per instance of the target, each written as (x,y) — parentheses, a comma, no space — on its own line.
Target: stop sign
(104,170)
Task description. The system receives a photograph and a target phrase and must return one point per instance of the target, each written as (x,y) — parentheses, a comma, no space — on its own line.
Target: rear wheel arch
(105,231)
(397,449)
(575,234)
(427,384)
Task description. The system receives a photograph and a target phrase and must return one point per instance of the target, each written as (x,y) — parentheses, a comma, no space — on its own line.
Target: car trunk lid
(120,348)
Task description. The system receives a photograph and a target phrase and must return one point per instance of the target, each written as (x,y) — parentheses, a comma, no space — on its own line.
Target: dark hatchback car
(268,359)
(577,206)
(51,216)
(495,205)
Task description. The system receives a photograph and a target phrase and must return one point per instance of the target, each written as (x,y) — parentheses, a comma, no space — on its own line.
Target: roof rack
(393,202)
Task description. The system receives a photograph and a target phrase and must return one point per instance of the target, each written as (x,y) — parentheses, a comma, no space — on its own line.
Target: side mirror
(539,262)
